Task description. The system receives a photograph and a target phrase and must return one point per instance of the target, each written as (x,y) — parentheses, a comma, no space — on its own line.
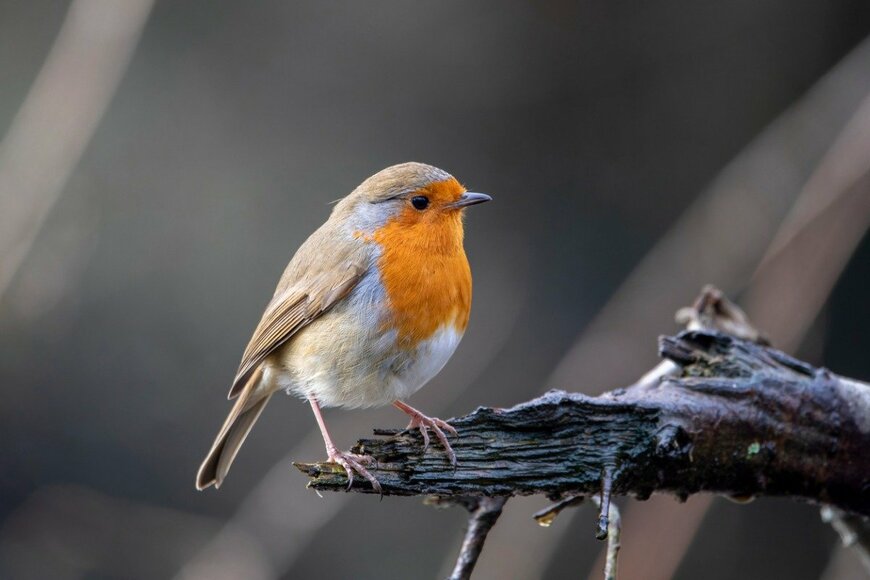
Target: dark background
(592,124)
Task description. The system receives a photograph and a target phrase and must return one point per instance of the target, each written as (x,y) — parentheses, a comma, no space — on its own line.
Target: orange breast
(425,272)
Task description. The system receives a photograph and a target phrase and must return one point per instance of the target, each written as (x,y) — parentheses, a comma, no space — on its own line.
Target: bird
(369,309)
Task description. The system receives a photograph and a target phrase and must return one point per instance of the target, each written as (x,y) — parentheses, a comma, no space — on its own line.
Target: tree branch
(483,513)
(736,418)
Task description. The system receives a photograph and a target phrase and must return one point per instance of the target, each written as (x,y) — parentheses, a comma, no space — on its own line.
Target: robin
(369,309)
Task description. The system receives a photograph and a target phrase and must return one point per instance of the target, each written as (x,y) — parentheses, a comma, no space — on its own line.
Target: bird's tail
(251,402)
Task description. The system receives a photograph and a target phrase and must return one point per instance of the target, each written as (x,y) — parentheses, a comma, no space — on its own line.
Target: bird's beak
(469,198)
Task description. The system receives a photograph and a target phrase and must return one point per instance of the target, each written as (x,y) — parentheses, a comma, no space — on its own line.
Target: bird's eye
(420,202)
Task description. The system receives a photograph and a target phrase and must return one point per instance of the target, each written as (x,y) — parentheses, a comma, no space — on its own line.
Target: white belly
(431,356)
(345,359)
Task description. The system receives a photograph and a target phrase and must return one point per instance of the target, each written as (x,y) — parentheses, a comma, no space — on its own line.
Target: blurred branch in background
(816,240)
(854,532)
(722,237)
(59,116)
(845,564)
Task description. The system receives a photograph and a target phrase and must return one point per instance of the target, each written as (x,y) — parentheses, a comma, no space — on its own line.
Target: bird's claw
(351,462)
(424,423)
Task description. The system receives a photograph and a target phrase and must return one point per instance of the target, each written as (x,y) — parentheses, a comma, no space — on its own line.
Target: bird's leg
(351,462)
(424,423)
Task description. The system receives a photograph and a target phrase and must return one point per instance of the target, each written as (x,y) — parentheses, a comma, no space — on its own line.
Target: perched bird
(369,309)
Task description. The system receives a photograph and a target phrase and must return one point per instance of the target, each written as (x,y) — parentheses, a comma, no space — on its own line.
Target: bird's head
(410,200)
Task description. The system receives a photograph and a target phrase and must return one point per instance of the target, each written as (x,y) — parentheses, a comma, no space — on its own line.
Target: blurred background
(161,161)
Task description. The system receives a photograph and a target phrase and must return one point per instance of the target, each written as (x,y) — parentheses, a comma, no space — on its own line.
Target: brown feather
(306,290)
(238,424)
(323,271)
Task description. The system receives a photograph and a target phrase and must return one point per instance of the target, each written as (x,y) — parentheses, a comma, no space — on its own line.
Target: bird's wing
(315,280)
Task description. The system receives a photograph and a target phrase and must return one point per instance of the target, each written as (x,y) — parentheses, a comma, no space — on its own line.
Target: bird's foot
(424,424)
(353,463)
